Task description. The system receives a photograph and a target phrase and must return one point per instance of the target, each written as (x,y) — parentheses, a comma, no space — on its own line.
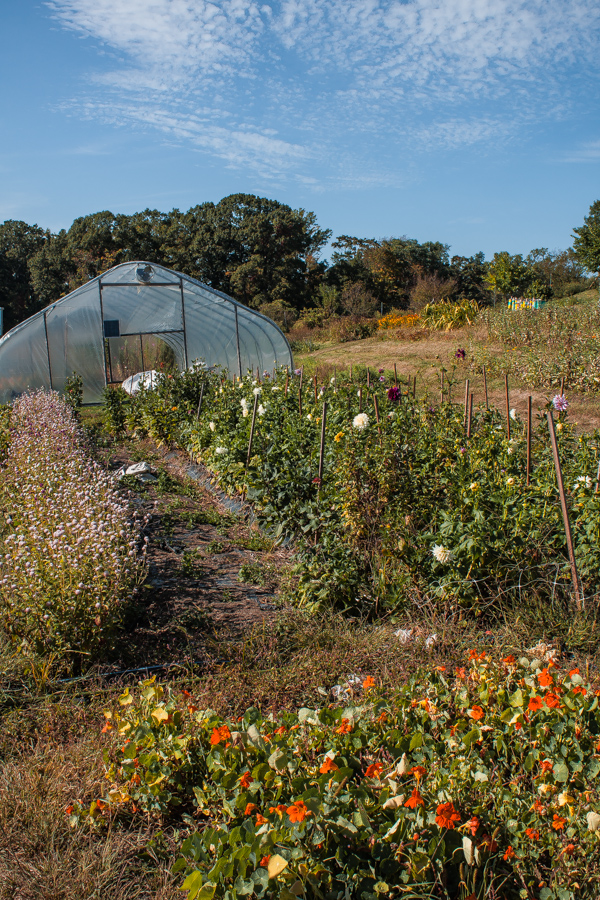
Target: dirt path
(212,575)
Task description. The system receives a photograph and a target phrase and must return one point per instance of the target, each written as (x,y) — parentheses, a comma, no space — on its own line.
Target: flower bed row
(410,508)
(480,783)
(69,549)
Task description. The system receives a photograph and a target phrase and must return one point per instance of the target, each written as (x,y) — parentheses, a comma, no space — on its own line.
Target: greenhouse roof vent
(144,274)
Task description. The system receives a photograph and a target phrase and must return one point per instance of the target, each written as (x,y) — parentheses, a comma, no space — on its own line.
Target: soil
(212,574)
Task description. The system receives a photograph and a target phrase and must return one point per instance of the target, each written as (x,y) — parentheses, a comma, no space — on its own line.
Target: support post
(565,510)
(322,447)
(248,457)
(470,419)
(487,405)
(466,403)
(507,407)
(528,440)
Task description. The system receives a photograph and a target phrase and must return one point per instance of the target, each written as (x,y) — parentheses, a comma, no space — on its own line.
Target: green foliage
(116,408)
(477,783)
(409,512)
(74,391)
(19,242)
(586,244)
(447,315)
(251,573)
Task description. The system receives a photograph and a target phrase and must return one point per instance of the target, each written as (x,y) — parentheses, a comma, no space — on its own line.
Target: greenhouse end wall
(128,318)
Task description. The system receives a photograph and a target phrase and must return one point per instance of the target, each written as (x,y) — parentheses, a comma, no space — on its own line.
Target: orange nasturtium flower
(278,809)
(509,660)
(374,770)
(461,672)
(280,730)
(265,860)
(260,819)
(328,766)
(476,713)
(415,799)
(509,853)
(579,689)
(220,734)
(297,811)
(245,780)
(532,833)
(535,703)
(418,772)
(369,682)
(446,815)
(473,824)
(539,807)
(573,672)
(546,765)
(552,701)
(558,822)
(344,728)
(250,808)
(545,678)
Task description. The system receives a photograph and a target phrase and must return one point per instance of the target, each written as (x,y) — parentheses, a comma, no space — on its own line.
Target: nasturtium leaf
(276,865)
(416,741)
(561,772)
(516,699)
(160,714)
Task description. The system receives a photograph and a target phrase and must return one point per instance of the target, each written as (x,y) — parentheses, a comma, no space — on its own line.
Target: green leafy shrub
(480,783)
(74,391)
(446,314)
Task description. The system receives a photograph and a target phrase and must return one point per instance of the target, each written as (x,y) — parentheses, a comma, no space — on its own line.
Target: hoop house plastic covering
(136,316)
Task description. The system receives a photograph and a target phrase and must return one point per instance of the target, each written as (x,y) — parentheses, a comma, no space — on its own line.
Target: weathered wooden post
(252,431)
(528,439)
(507,407)
(565,510)
(487,405)
(470,415)
(466,403)
(322,447)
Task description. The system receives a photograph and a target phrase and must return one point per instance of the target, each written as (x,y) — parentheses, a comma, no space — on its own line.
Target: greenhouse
(136,317)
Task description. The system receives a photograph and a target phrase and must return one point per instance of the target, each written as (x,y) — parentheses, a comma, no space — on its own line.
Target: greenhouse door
(132,353)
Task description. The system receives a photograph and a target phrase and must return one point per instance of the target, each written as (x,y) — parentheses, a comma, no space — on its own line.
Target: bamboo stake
(470,415)
(565,510)
(252,431)
(507,407)
(200,401)
(528,439)
(375,401)
(395,375)
(466,403)
(487,405)
(322,448)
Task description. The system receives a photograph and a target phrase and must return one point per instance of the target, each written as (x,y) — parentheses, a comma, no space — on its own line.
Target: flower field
(476,783)
(70,553)
(409,511)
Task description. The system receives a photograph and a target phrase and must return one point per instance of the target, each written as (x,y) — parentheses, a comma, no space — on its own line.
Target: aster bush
(70,551)
(478,783)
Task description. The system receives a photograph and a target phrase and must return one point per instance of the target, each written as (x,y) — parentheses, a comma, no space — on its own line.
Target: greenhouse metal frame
(135,317)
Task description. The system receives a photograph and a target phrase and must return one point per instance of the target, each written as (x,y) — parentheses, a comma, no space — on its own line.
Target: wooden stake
(565,510)
(598,480)
(315,386)
(322,448)
(200,401)
(375,401)
(395,375)
(562,386)
(252,431)
(300,392)
(466,403)
(414,387)
(507,407)
(487,405)
(442,388)
(470,415)
(368,377)
(287,382)
(528,439)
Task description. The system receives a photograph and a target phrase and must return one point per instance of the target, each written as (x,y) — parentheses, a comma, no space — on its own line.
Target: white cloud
(275,86)
(588,152)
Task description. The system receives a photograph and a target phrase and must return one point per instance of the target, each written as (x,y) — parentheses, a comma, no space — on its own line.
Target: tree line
(269,256)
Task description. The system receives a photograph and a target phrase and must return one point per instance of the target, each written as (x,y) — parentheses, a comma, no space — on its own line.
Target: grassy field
(215,615)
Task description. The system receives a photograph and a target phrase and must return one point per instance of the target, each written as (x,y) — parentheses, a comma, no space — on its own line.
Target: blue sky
(474,122)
